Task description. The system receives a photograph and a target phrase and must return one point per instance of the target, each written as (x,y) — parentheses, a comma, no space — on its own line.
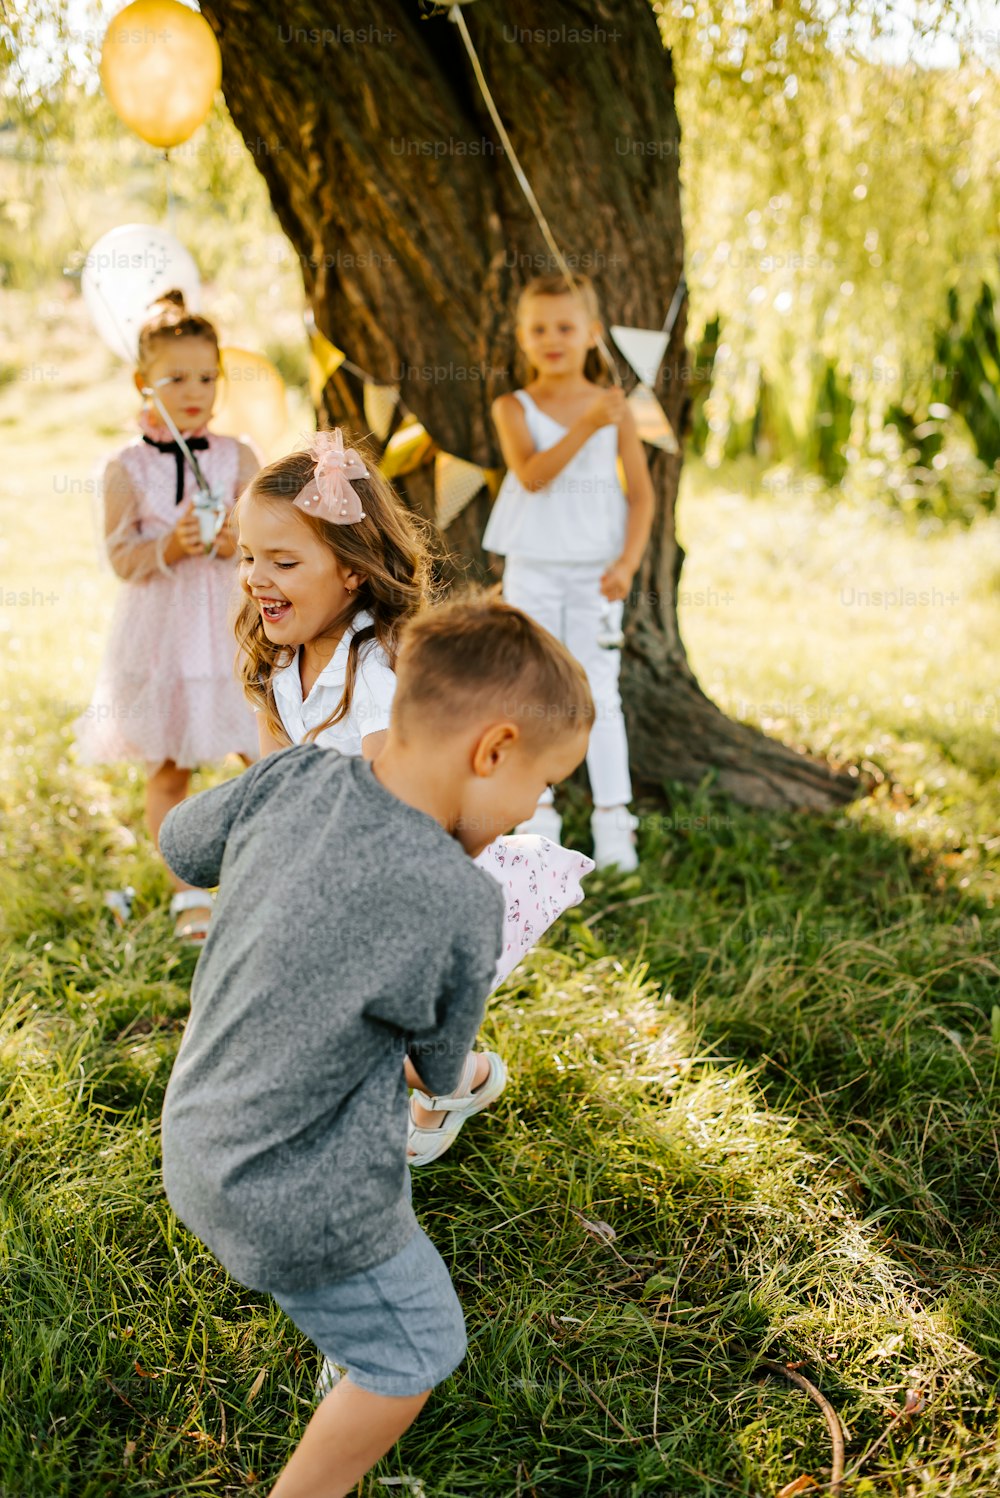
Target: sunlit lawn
(776,1079)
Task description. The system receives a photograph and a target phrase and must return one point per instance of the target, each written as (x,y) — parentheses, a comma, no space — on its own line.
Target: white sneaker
(614,838)
(544,822)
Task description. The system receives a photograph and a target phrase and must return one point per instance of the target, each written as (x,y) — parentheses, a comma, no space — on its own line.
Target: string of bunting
(455,15)
(456,480)
(379,401)
(643,348)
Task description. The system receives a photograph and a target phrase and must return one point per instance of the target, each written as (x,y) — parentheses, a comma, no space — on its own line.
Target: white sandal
(425,1145)
(193,932)
(330,1375)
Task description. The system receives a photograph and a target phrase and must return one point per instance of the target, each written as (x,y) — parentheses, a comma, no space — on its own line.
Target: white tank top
(578,517)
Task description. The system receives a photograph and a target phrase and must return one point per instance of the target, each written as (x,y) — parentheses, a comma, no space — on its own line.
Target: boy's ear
(140,383)
(493,746)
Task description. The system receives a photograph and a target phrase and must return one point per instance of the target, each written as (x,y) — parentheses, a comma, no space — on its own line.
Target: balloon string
(680,293)
(455,14)
(171,206)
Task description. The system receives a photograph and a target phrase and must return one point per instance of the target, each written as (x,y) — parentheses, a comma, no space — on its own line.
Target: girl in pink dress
(166,691)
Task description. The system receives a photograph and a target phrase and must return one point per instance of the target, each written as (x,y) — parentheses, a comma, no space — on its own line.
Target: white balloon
(128,268)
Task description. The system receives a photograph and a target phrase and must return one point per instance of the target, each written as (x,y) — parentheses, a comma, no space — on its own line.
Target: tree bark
(415,238)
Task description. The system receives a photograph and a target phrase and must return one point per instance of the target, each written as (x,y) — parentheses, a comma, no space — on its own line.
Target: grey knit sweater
(349,929)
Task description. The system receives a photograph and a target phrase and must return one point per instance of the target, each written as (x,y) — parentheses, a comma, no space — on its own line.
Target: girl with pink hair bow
(332,566)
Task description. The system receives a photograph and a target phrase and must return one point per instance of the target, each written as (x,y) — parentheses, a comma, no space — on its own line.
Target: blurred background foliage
(843,229)
(842,212)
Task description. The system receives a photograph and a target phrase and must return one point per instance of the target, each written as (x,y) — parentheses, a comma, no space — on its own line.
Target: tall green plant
(971,357)
(829,200)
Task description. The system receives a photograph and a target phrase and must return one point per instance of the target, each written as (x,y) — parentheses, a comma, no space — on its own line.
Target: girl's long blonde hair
(388,547)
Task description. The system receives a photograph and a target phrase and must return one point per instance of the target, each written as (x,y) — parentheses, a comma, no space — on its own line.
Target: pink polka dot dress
(166,688)
(540,879)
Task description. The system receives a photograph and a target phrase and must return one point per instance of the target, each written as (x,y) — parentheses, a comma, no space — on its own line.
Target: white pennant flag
(644,349)
(651,420)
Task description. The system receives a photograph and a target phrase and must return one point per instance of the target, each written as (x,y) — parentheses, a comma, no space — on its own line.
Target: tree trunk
(414,238)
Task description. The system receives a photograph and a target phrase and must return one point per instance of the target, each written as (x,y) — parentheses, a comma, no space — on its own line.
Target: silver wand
(209,510)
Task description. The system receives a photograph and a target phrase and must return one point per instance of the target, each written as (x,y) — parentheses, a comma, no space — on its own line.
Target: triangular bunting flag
(651,420)
(324,360)
(409,447)
(380,403)
(644,349)
(455,483)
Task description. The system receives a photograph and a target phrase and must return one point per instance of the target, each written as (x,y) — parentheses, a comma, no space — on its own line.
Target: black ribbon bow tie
(196,444)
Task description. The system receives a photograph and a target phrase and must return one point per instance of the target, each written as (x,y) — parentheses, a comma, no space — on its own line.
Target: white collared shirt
(371,700)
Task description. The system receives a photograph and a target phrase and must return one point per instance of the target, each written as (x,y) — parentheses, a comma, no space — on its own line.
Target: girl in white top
(326,599)
(573,539)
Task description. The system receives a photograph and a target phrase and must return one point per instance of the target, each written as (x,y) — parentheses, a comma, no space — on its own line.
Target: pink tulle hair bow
(330,493)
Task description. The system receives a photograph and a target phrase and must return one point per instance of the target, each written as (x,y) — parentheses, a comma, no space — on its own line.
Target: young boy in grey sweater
(332,977)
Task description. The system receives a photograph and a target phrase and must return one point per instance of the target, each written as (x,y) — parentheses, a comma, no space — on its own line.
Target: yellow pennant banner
(380,402)
(324,360)
(456,482)
(408,448)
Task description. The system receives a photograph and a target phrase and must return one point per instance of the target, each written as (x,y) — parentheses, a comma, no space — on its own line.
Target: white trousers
(566,599)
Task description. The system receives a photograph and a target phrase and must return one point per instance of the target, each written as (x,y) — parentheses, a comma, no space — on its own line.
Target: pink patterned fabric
(540,879)
(166,688)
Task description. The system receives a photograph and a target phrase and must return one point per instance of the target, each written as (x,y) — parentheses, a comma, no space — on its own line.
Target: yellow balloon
(251,399)
(161,67)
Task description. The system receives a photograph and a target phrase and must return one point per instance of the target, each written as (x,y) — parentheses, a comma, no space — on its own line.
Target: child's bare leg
(344,1439)
(429,1119)
(166,788)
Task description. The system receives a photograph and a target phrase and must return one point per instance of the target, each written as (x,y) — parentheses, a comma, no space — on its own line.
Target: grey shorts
(398,1328)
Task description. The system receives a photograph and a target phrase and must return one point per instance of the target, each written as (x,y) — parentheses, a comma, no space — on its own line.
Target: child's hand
(187,533)
(225,541)
(607,409)
(616,580)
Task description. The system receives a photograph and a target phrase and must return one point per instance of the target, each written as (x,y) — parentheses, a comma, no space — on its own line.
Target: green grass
(769,1061)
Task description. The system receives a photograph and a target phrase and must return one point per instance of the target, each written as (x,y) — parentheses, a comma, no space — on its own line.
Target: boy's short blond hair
(477,657)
